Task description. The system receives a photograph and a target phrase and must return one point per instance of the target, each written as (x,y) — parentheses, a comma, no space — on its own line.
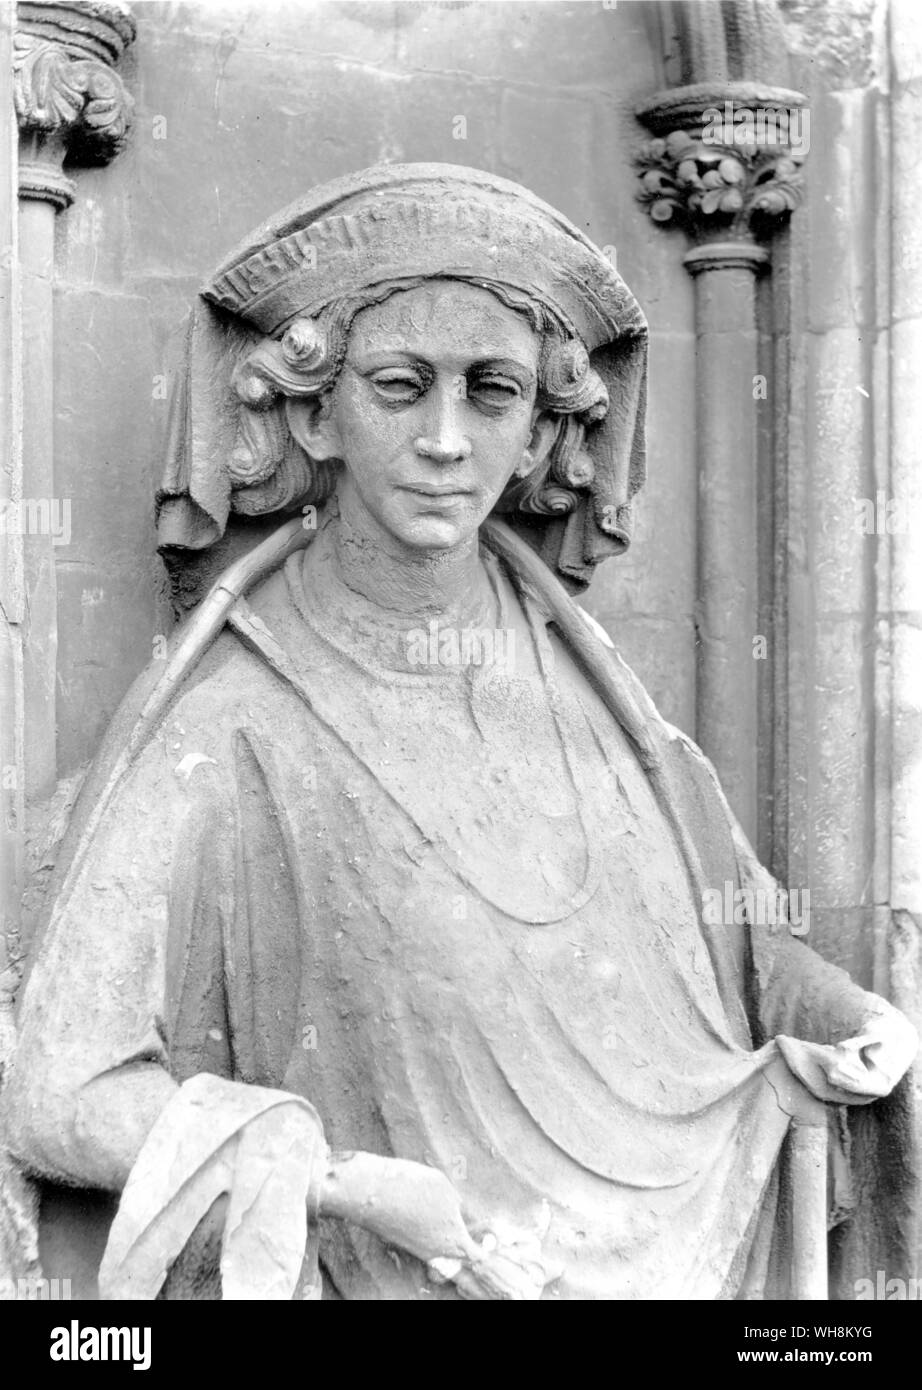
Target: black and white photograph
(461,664)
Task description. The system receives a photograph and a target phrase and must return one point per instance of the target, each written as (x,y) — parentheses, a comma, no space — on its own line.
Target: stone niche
(237,111)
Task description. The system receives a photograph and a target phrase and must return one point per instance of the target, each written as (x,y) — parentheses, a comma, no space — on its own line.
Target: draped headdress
(350,243)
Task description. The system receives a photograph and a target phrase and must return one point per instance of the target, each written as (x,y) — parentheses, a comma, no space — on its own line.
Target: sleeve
(805,997)
(797,992)
(112,1016)
(794,991)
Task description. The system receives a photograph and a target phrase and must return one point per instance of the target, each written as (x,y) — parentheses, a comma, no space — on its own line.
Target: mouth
(438,498)
(438,492)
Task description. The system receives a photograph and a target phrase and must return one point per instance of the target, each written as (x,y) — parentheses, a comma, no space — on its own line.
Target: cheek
(362,419)
(369,435)
(499,441)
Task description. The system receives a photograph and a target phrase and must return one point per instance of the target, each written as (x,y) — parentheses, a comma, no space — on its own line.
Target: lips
(436,490)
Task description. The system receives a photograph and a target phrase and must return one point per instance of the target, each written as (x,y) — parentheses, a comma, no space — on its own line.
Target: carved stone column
(725,166)
(902,702)
(11,596)
(70,106)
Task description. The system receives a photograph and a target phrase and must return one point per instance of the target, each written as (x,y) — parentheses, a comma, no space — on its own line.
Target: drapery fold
(170,841)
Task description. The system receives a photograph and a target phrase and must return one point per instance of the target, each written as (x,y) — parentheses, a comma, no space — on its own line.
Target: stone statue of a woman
(386,892)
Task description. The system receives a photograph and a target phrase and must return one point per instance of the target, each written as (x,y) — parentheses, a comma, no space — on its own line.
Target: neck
(399,578)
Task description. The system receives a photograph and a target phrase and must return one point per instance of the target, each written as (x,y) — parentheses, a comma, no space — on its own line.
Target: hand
(415,1207)
(508,1265)
(403,1203)
(872,1063)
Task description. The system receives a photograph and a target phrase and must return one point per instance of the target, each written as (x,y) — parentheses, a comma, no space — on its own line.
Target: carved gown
(443,904)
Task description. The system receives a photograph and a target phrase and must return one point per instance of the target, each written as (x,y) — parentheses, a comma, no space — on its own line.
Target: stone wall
(839,277)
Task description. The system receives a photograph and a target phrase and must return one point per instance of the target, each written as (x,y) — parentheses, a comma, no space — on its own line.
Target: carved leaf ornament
(59,88)
(684,181)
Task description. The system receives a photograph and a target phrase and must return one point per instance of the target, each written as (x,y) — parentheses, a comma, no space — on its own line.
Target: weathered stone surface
(841,763)
(108,577)
(838,40)
(646,600)
(12,595)
(842,210)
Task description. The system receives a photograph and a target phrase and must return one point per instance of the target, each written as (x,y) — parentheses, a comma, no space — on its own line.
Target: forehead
(444,318)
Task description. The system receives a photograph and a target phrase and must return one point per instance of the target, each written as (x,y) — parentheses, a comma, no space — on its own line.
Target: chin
(431,531)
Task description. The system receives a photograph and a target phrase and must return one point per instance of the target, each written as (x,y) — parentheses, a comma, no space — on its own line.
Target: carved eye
(498,391)
(402,387)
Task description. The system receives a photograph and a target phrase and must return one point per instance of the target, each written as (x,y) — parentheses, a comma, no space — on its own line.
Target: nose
(445,442)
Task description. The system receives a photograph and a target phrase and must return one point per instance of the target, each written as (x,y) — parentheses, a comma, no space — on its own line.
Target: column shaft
(727,599)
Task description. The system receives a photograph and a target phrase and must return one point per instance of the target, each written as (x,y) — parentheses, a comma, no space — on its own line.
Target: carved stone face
(433,412)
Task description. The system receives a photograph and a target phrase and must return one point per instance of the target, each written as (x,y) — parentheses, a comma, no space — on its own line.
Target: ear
(311,424)
(544,426)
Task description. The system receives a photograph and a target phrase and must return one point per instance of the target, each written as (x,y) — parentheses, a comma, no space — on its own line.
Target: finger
(862,1041)
(471,1288)
(870,1083)
(848,1069)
